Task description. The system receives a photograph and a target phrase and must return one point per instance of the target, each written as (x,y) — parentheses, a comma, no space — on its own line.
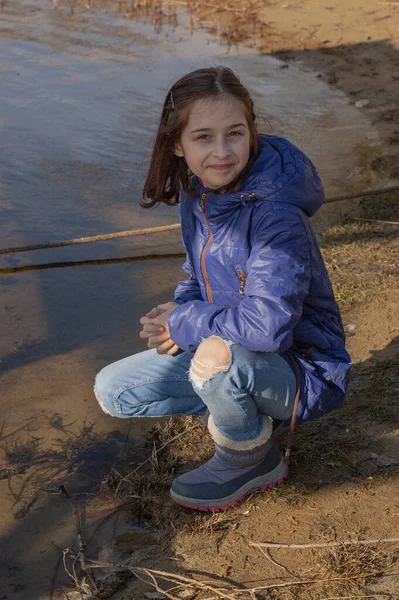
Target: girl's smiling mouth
(221,167)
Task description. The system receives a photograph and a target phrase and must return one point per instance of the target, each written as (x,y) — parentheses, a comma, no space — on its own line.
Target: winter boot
(235,470)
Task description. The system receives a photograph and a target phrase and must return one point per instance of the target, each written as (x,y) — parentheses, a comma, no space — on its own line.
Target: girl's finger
(155,340)
(168,306)
(173,350)
(147,334)
(154,312)
(147,321)
(153,327)
(165,346)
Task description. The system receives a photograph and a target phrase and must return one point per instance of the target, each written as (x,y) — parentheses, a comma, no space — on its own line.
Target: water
(80,100)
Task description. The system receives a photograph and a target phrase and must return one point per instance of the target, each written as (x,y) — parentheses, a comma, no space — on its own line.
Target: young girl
(254,334)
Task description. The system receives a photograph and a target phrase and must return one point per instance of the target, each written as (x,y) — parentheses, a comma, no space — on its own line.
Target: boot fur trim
(242,445)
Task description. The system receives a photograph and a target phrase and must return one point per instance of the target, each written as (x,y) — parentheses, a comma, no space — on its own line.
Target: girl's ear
(178,150)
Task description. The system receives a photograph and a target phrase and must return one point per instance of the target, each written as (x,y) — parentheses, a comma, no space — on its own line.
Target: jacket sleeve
(278,276)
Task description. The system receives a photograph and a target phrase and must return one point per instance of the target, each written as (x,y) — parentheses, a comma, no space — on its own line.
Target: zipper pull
(243,279)
(204,197)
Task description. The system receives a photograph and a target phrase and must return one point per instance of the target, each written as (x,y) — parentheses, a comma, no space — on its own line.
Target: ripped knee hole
(213,356)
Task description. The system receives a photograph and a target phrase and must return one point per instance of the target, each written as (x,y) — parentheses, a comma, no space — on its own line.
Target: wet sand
(81,95)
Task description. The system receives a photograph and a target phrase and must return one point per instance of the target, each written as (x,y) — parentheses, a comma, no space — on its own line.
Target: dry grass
(179,443)
(345,445)
(362,258)
(191,434)
(232,21)
(22,454)
(349,561)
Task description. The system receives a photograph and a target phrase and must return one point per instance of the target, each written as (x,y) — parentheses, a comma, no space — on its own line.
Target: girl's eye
(206,136)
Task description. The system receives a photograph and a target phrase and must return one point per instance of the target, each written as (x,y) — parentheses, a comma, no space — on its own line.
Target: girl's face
(216,140)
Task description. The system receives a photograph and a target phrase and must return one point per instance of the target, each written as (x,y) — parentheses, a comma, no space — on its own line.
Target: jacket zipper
(204,198)
(243,279)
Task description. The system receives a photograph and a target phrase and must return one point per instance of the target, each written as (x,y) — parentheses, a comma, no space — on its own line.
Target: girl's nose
(222,149)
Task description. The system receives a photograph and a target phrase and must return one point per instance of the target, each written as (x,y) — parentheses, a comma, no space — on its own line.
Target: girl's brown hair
(168,172)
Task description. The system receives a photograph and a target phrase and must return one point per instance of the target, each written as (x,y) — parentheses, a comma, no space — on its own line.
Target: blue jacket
(257,276)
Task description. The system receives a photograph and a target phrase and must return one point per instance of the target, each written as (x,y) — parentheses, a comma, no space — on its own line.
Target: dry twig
(154,583)
(266,553)
(93,238)
(356,597)
(375,221)
(328,580)
(179,578)
(325,544)
(220,593)
(80,556)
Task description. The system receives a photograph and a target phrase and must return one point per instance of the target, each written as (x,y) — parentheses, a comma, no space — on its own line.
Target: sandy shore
(355,47)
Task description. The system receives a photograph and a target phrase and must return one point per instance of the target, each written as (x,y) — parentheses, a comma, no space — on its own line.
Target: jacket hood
(280,173)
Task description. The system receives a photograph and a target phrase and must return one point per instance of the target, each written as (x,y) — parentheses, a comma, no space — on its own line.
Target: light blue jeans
(153,385)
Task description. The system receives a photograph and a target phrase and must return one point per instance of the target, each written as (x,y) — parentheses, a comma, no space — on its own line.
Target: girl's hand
(162,318)
(156,329)
(151,329)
